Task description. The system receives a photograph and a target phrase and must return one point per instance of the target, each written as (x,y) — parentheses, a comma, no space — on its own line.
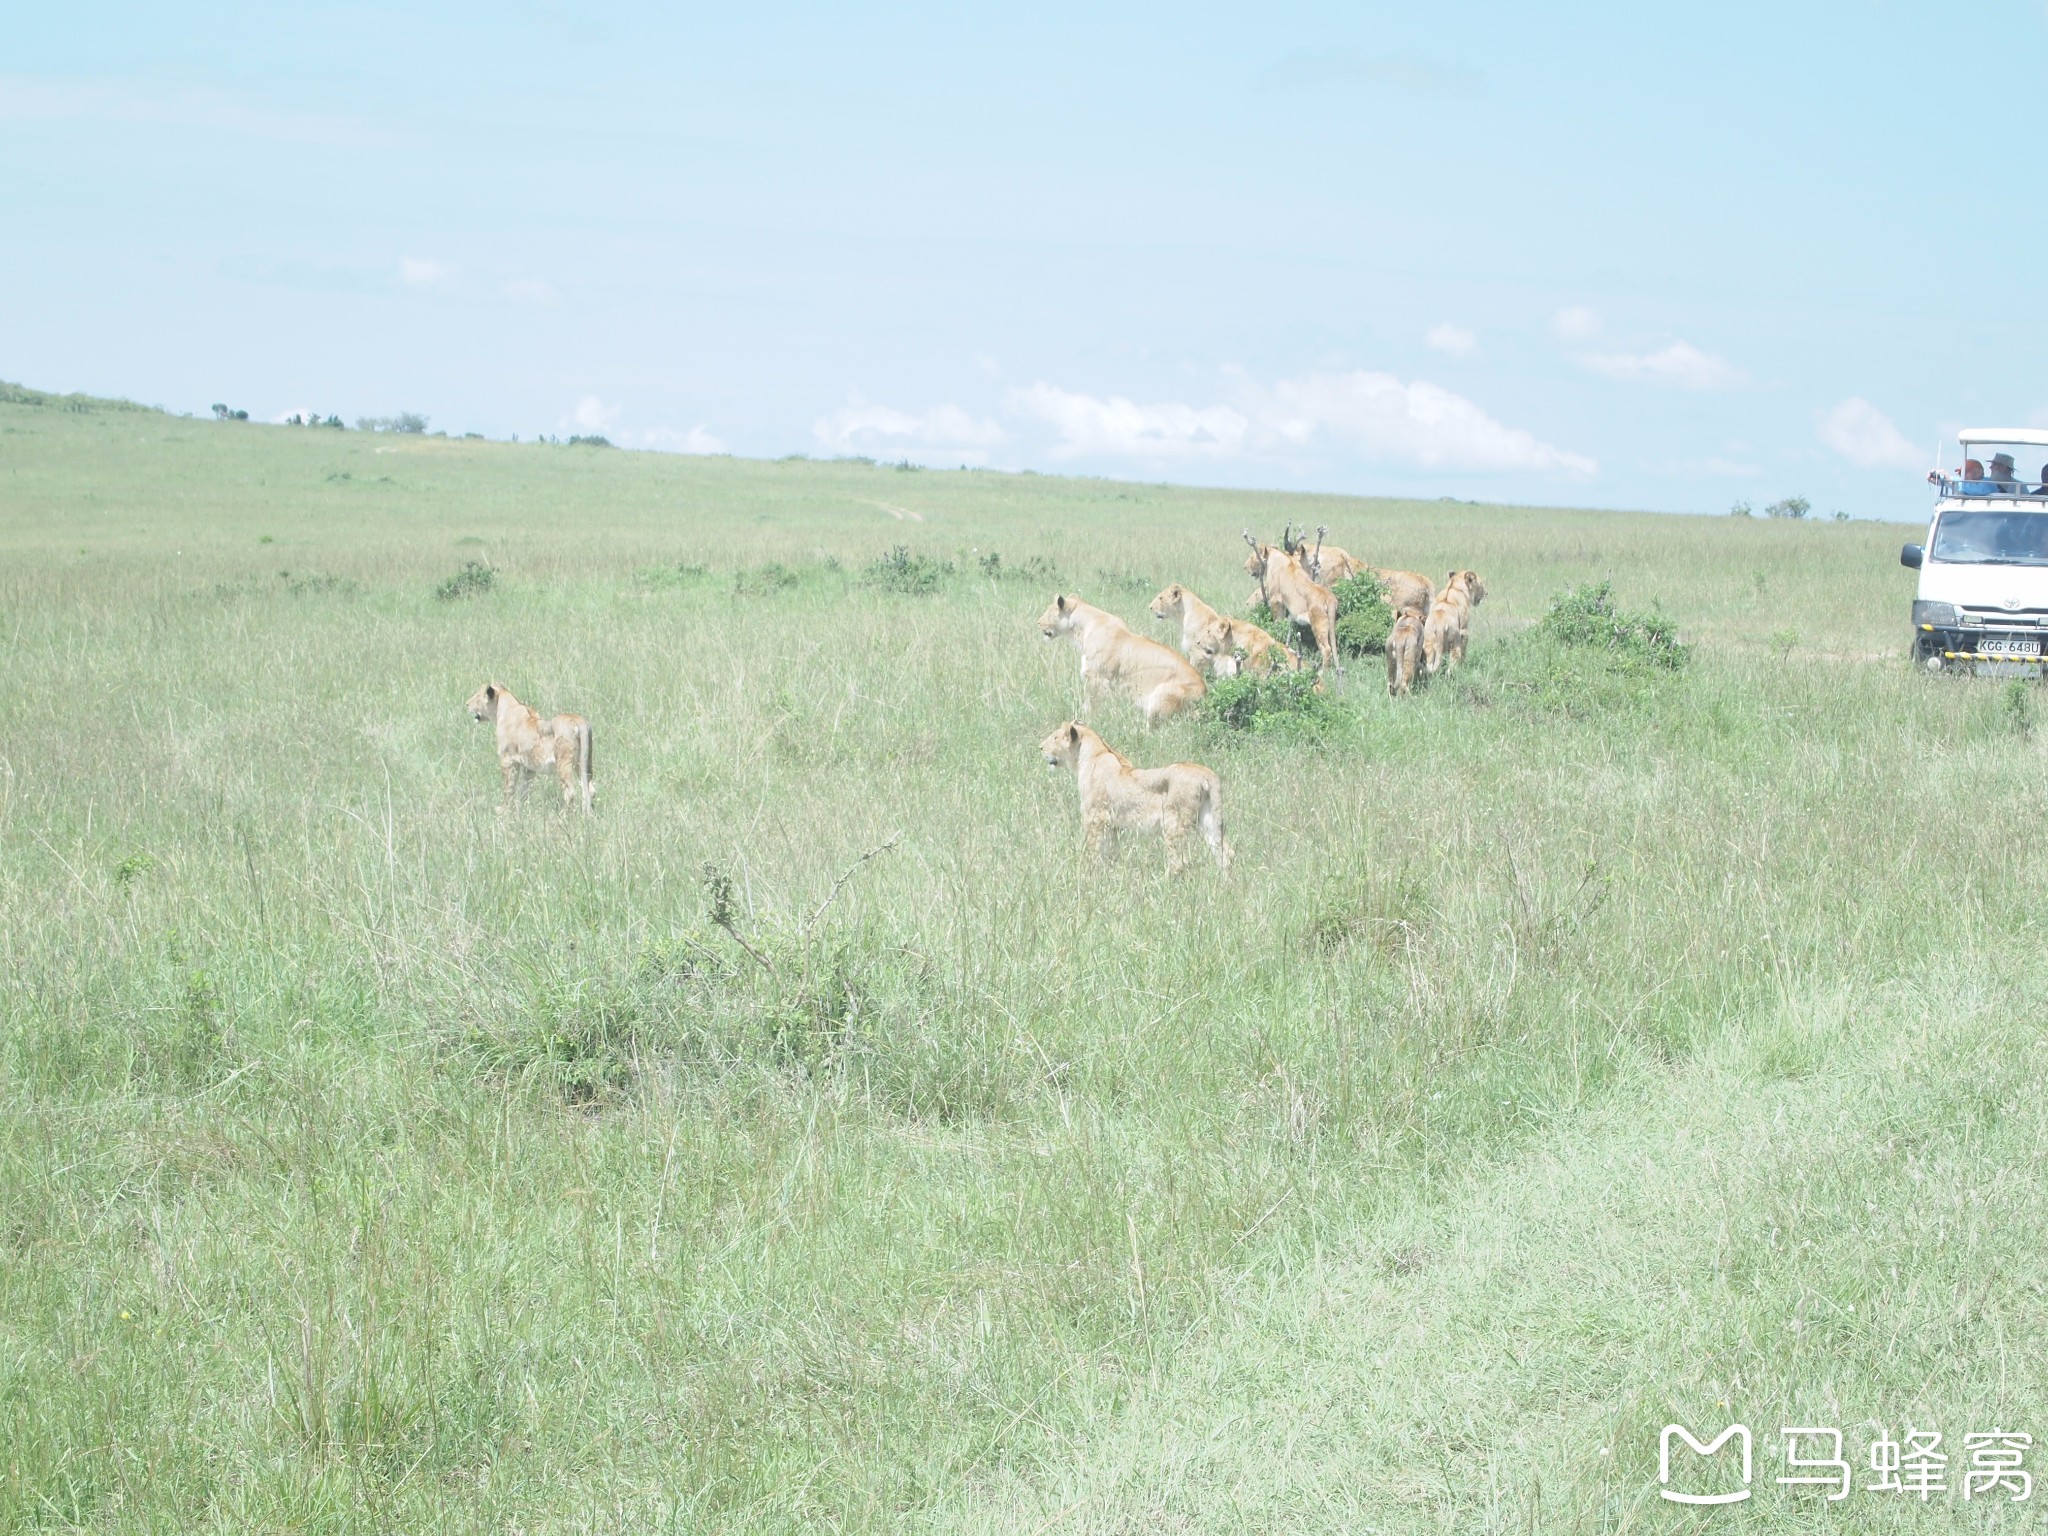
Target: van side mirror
(1911,555)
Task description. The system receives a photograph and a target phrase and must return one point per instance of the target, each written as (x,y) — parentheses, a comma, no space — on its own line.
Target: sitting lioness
(528,744)
(1449,624)
(1114,796)
(1112,656)
(1211,640)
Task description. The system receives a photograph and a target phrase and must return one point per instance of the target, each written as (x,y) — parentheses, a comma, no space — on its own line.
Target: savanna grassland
(1574,1046)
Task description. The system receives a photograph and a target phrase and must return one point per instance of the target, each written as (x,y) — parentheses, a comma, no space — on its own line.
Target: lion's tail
(1210,819)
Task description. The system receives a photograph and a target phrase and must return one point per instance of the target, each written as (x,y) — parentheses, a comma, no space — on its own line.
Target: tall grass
(372,1160)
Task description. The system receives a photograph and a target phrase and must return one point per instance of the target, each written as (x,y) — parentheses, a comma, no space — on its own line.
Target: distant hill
(21,394)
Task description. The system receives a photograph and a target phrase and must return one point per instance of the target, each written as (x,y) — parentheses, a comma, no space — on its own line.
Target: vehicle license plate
(2010,645)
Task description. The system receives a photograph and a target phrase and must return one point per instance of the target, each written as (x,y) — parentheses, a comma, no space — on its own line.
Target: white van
(1983,597)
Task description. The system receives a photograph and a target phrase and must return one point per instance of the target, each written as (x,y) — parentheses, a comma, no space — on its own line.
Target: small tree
(1795,507)
(1740,509)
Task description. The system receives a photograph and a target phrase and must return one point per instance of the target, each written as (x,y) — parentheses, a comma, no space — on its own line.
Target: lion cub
(1404,653)
(1449,624)
(1114,795)
(529,744)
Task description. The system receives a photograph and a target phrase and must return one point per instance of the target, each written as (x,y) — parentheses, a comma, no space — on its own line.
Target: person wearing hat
(2003,480)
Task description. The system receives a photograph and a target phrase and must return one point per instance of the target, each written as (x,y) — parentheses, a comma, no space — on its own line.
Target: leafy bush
(1276,703)
(683,573)
(1034,570)
(228,413)
(594,440)
(1740,509)
(473,578)
(1363,617)
(1587,617)
(901,571)
(1792,506)
(409,423)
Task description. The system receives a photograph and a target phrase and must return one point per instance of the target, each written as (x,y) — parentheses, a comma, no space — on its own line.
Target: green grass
(1575,1045)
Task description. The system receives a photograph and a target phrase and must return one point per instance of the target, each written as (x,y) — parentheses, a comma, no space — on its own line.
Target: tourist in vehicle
(1973,482)
(2003,479)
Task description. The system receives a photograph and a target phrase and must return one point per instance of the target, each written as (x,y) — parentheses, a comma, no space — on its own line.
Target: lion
(1211,640)
(1449,624)
(1113,656)
(1115,796)
(1286,588)
(529,744)
(1404,654)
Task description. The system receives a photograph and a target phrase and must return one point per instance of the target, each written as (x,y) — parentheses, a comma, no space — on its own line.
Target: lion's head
(1169,601)
(1059,617)
(1062,749)
(483,704)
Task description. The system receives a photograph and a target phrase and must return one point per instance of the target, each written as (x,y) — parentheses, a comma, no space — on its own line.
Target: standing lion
(529,744)
(1114,795)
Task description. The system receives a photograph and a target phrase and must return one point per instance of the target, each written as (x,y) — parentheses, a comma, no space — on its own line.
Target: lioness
(1114,795)
(1113,656)
(1404,653)
(1449,624)
(529,744)
(1287,588)
(1211,640)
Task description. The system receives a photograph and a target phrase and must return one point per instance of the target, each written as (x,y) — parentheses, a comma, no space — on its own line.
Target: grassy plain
(1569,1051)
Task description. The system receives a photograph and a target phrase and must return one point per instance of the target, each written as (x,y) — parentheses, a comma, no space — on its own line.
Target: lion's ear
(491,692)
(1061,601)
(1073,733)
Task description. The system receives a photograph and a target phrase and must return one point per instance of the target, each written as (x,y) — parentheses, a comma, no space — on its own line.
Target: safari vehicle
(1982,603)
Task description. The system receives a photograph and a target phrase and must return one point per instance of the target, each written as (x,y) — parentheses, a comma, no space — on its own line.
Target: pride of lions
(1429,633)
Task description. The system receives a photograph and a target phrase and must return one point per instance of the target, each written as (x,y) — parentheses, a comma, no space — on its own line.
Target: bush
(1740,509)
(1792,506)
(1034,570)
(1363,617)
(410,423)
(901,571)
(1275,703)
(1586,617)
(228,413)
(594,440)
(474,577)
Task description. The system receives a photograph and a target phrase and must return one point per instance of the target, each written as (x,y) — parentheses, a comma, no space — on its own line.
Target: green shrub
(473,578)
(1275,703)
(1364,618)
(1587,617)
(1034,570)
(901,571)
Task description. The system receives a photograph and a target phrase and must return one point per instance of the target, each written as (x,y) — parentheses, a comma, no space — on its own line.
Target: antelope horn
(1251,541)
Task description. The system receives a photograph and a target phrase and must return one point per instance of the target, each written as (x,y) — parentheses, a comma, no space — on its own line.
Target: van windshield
(1992,538)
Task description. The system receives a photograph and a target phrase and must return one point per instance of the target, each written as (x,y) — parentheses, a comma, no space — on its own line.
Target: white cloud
(420,272)
(1418,424)
(31,98)
(593,415)
(1451,340)
(944,431)
(1680,365)
(1121,428)
(529,290)
(1865,436)
(1575,324)
(699,439)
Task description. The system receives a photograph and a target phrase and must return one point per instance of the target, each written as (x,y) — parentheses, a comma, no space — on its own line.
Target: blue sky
(1582,253)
